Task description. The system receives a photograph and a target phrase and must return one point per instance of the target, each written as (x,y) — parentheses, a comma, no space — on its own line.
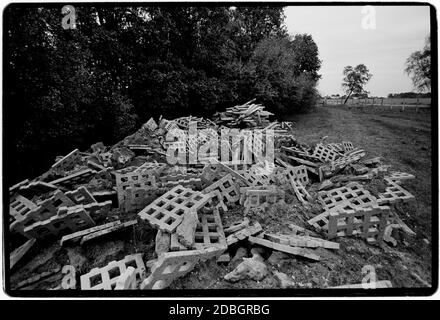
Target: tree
(355,80)
(67,89)
(418,67)
(282,79)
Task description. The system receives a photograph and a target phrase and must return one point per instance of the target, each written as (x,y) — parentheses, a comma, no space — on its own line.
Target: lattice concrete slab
(106,278)
(348,146)
(368,223)
(60,224)
(227,188)
(136,199)
(43,211)
(134,180)
(324,154)
(166,212)
(321,221)
(337,147)
(352,192)
(298,173)
(300,192)
(81,196)
(173,265)
(258,198)
(209,231)
(394,193)
(79,177)
(19,207)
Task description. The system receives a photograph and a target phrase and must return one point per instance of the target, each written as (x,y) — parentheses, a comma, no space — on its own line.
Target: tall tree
(355,79)
(70,88)
(418,67)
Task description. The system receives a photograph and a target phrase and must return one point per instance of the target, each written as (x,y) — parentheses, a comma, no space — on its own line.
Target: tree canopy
(418,67)
(69,88)
(355,79)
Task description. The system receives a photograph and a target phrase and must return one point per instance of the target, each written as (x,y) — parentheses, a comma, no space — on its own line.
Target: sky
(342,40)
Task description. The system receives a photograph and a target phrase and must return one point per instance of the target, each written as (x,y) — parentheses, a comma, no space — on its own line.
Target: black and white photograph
(219,149)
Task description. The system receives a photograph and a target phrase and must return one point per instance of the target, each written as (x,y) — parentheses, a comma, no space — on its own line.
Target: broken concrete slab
(285,248)
(106,278)
(76,236)
(301,241)
(18,253)
(187,228)
(369,285)
(237,226)
(173,265)
(162,242)
(244,233)
(103,232)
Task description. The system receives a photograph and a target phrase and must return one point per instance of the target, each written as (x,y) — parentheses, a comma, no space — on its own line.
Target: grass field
(403,140)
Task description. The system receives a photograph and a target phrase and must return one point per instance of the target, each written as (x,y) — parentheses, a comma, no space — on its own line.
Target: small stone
(163,242)
(326,184)
(358,169)
(240,253)
(224,258)
(284,280)
(187,228)
(257,251)
(250,268)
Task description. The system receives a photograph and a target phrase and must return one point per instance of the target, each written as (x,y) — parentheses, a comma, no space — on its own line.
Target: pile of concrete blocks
(86,198)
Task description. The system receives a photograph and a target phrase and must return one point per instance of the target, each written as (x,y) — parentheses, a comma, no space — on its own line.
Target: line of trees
(120,66)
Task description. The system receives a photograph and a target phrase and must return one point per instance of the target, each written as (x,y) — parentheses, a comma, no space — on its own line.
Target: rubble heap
(203,211)
(248,114)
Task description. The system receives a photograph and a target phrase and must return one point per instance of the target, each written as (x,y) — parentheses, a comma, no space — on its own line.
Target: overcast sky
(342,41)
